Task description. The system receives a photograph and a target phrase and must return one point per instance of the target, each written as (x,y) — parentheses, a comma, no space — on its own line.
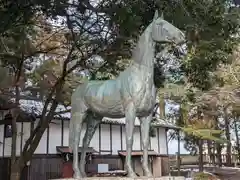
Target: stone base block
(126,178)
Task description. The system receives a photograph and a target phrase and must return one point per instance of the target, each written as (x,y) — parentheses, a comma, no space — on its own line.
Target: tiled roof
(158,122)
(37,107)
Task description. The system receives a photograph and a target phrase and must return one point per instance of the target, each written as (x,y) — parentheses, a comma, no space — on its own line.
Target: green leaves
(6,80)
(212,42)
(205,134)
(15,15)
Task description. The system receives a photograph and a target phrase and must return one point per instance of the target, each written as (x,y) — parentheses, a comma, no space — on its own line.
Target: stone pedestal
(126,178)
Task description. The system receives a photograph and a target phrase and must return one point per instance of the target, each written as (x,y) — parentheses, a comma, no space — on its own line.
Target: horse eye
(165,31)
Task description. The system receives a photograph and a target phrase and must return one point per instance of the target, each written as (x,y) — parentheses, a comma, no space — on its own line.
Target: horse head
(165,32)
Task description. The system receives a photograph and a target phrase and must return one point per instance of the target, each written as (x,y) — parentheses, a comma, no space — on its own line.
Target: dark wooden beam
(3,153)
(62,131)
(21,145)
(178,154)
(150,143)
(99,140)
(48,132)
(158,140)
(121,133)
(111,142)
(3,140)
(140,132)
(166,130)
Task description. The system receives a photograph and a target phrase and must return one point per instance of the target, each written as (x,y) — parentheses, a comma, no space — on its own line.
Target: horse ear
(162,16)
(155,15)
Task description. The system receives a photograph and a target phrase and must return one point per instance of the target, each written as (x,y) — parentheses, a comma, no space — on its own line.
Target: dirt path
(229,173)
(230,177)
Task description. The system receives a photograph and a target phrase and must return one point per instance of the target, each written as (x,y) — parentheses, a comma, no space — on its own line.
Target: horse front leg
(92,125)
(78,118)
(130,120)
(145,127)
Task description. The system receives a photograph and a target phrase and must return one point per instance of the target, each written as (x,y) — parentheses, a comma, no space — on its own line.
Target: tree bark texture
(237,137)
(227,134)
(15,172)
(219,154)
(200,146)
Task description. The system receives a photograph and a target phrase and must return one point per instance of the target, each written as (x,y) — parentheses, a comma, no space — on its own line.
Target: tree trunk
(15,172)
(237,138)
(219,154)
(227,134)
(200,158)
(217,146)
(15,169)
(162,107)
(178,154)
(214,153)
(31,144)
(34,139)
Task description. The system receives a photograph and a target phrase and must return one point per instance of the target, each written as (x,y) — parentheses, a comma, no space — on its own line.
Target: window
(7,130)
(8,126)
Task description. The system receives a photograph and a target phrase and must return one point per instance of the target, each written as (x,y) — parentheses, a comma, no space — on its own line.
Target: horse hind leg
(92,124)
(74,138)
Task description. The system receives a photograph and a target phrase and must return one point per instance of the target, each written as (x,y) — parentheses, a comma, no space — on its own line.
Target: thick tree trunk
(34,139)
(14,169)
(31,144)
(219,154)
(237,138)
(15,172)
(162,107)
(200,158)
(227,134)
(217,146)
(214,153)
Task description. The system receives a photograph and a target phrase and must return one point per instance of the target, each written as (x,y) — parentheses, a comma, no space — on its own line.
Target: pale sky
(173,147)
(173,144)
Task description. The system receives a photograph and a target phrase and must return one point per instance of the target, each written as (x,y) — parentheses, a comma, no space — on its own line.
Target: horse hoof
(83,174)
(148,174)
(77,176)
(132,175)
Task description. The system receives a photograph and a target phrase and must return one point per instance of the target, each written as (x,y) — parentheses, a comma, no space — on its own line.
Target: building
(107,147)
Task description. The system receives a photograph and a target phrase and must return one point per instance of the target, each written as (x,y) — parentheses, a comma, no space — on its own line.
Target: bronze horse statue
(132,94)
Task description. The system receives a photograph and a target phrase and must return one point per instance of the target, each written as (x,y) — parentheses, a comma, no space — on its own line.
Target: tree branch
(35,137)
(9,55)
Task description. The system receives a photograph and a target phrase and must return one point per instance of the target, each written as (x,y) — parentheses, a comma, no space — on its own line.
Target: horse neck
(144,52)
